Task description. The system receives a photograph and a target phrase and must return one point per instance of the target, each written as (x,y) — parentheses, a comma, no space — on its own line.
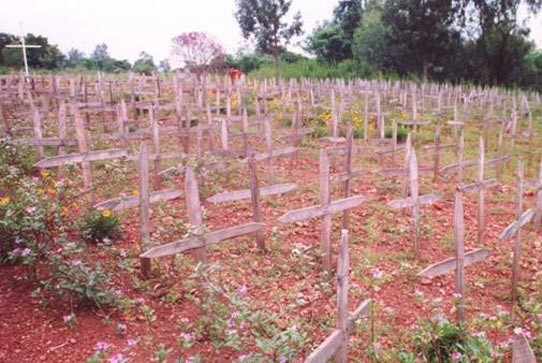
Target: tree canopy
(264,20)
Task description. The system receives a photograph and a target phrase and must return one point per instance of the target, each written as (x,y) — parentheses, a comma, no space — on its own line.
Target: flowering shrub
(100,226)
(32,209)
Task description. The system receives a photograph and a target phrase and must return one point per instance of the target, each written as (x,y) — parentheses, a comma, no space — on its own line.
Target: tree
(263,19)
(164,66)
(48,56)
(496,43)
(75,57)
(422,38)
(100,55)
(198,51)
(370,44)
(347,15)
(145,64)
(328,42)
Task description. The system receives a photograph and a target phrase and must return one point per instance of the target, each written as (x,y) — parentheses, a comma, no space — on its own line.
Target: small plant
(443,341)
(402,134)
(100,227)
(78,280)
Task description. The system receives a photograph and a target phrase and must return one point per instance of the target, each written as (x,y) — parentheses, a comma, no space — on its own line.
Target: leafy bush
(31,208)
(100,226)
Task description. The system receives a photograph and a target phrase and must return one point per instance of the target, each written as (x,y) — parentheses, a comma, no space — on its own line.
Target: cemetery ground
(246,304)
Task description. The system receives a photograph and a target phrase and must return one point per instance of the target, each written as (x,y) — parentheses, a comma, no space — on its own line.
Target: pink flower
(101,346)
(131,342)
(30,209)
(242,289)
(378,274)
(456,356)
(68,318)
(25,252)
(117,358)
(518,331)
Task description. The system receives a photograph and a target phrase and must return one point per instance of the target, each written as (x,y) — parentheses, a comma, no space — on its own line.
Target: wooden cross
(461,258)
(514,229)
(537,185)
(461,164)
(437,147)
(348,174)
(336,344)
(254,193)
(415,200)
(324,210)
(479,186)
(199,240)
(24,46)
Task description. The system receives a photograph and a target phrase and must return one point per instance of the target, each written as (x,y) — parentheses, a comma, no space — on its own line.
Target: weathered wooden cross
(461,259)
(479,186)
(254,193)
(324,210)
(336,344)
(199,240)
(415,200)
(514,229)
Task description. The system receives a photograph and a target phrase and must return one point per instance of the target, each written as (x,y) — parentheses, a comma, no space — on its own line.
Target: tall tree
(496,40)
(264,19)
(422,37)
(100,55)
(329,42)
(75,57)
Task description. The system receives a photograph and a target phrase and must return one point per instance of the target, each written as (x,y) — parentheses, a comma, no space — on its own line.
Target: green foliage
(82,283)
(48,56)
(442,341)
(402,133)
(100,226)
(144,65)
(311,68)
(264,19)
(230,322)
(31,208)
(328,42)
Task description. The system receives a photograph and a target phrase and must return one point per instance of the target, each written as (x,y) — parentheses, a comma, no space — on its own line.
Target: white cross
(23,45)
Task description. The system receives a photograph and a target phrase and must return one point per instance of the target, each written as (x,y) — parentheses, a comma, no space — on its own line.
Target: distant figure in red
(236,76)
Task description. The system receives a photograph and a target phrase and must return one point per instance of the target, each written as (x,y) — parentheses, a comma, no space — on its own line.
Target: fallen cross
(200,240)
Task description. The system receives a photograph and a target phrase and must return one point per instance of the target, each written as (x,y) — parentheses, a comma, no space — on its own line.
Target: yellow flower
(106,213)
(45,173)
(40,191)
(51,191)
(4,200)
(135,192)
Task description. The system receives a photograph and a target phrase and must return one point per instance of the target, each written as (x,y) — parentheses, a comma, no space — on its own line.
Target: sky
(131,26)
